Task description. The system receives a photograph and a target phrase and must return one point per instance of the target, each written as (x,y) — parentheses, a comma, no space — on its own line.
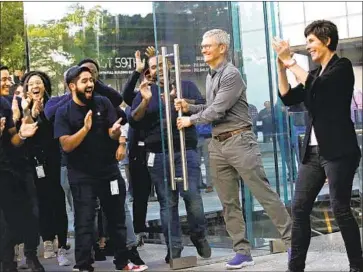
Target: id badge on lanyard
(39,169)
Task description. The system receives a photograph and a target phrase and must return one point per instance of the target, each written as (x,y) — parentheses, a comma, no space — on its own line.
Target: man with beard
(87,130)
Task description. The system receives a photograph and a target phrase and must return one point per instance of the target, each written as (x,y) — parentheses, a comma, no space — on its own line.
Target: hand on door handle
(183,122)
(181,104)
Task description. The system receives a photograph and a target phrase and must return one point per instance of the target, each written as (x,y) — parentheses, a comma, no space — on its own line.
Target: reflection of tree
(98,34)
(185,23)
(55,45)
(12,44)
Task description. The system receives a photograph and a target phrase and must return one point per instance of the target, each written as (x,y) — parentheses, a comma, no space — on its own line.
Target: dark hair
(91,61)
(74,80)
(46,81)
(13,88)
(324,30)
(3,67)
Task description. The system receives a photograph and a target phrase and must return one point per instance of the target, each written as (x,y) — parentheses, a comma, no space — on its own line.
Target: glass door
(178,28)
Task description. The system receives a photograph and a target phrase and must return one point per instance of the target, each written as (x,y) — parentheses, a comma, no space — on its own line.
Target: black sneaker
(176,253)
(100,254)
(202,246)
(34,265)
(83,268)
(356,268)
(8,267)
(140,237)
(134,256)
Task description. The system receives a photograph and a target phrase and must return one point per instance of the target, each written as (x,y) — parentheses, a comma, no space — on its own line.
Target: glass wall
(111,32)
(184,23)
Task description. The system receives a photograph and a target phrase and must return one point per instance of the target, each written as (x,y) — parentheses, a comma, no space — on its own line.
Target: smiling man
(5,80)
(88,130)
(233,149)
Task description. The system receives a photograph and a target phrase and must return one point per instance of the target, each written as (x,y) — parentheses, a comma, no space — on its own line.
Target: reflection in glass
(88,30)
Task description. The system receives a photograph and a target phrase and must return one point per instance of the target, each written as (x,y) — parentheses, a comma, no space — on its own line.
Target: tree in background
(112,39)
(12,41)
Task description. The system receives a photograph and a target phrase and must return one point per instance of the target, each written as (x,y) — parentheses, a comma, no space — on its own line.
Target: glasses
(35,83)
(4,79)
(207,46)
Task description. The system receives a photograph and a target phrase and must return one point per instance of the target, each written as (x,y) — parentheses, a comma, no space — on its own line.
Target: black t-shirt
(94,158)
(5,111)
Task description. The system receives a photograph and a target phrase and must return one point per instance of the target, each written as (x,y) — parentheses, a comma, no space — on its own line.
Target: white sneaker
(62,259)
(49,250)
(133,267)
(21,258)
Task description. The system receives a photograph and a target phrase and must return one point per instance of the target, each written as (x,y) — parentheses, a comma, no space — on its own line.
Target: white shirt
(313,140)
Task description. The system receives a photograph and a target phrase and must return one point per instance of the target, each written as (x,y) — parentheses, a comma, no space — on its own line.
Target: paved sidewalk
(327,253)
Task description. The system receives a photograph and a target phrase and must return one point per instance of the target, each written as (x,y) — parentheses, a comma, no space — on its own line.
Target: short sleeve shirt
(5,111)
(94,158)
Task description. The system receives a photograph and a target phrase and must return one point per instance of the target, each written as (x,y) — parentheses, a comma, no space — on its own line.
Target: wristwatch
(289,63)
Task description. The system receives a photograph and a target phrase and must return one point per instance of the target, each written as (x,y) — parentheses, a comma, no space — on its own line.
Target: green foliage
(12,42)
(98,34)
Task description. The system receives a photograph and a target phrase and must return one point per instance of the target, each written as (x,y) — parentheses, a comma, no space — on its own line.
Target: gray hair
(221,36)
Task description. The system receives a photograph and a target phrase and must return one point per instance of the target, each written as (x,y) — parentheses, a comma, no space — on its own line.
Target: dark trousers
(141,188)
(18,210)
(85,203)
(311,178)
(52,207)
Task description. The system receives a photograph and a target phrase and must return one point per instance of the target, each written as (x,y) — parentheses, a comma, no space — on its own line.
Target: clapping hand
(15,109)
(28,130)
(88,121)
(37,107)
(116,127)
(140,65)
(2,125)
(282,49)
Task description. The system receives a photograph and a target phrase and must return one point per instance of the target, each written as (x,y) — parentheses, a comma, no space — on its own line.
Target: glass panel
(354,7)
(295,33)
(184,23)
(355,25)
(318,10)
(270,121)
(290,12)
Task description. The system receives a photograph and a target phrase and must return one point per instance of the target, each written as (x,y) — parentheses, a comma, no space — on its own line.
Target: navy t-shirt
(94,159)
(5,111)
(151,126)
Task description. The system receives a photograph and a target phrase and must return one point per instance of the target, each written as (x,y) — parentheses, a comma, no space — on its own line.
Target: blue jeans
(168,199)
(131,238)
(66,187)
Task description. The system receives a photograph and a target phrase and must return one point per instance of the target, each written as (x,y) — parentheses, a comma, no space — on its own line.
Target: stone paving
(327,253)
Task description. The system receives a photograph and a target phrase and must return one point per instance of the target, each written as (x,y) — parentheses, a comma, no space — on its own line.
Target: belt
(226,135)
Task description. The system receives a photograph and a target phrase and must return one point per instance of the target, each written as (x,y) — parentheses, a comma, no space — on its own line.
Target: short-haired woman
(330,146)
